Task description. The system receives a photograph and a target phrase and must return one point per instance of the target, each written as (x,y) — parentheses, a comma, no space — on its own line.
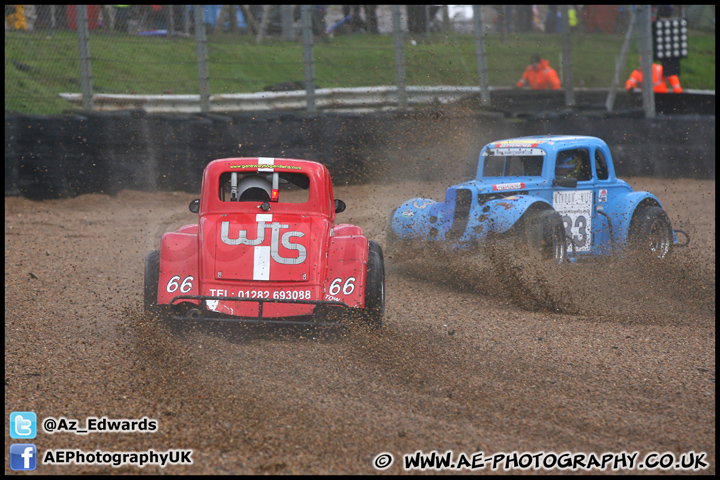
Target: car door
(576,205)
(605,189)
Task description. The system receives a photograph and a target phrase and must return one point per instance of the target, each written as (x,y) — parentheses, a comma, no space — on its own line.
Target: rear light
(275,192)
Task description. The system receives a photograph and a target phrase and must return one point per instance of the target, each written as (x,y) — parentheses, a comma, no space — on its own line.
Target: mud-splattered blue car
(558,194)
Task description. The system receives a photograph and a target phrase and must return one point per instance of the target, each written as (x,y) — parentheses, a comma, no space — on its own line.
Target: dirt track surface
(597,358)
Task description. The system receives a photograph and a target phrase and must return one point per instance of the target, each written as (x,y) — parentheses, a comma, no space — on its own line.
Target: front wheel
(529,260)
(545,236)
(650,233)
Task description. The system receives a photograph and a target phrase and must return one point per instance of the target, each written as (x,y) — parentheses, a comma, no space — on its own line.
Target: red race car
(266,249)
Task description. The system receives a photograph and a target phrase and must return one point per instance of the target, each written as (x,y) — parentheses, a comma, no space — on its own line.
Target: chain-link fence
(113,57)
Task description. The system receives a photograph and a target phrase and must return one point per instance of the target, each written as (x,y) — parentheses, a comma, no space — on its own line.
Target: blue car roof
(552,142)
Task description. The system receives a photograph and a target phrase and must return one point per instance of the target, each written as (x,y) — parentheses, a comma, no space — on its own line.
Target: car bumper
(204,314)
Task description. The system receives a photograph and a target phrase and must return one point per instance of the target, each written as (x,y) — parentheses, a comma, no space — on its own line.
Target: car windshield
(513,165)
(258,187)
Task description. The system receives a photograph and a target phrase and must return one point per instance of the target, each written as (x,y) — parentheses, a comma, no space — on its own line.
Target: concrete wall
(59,156)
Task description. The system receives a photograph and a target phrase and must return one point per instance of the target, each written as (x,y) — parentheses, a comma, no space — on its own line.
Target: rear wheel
(650,233)
(164,313)
(374,310)
(152,278)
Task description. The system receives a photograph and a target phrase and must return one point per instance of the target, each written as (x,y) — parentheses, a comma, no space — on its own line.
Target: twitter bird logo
(23,425)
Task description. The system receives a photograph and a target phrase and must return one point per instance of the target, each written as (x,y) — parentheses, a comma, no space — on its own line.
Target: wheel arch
(179,257)
(644,203)
(537,230)
(504,220)
(411,219)
(345,274)
(627,213)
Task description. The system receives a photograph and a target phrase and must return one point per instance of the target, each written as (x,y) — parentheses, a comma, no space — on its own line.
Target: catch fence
(62,57)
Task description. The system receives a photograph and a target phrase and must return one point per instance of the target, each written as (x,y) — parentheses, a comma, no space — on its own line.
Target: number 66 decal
(347,288)
(185,287)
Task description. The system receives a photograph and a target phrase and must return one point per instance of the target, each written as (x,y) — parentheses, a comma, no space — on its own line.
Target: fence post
(620,66)
(399,57)
(505,21)
(286,16)
(427,21)
(53,20)
(84,50)
(171,21)
(567,57)
(307,36)
(648,92)
(264,23)
(202,58)
(480,50)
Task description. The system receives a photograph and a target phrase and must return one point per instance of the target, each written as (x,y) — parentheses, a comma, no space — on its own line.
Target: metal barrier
(358,99)
(384,98)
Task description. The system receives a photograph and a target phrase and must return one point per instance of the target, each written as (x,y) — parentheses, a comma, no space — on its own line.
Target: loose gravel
(601,357)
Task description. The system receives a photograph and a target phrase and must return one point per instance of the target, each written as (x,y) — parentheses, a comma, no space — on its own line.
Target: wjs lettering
(274,241)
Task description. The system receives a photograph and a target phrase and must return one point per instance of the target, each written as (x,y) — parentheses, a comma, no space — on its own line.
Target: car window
(513,166)
(257,187)
(574,163)
(601,168)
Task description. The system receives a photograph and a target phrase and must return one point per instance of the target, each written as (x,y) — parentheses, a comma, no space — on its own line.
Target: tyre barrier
(171,154)
(11,159)
(670,147)
(214,137)
(113,146)
(58,156)
(81,165)
(42,155)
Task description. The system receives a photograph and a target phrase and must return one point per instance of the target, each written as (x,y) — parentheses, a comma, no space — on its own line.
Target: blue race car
(558,194)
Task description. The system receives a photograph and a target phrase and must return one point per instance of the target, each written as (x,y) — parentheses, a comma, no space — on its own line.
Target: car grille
(463,202)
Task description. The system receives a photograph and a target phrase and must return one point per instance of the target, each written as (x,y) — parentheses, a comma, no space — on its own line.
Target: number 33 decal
(580,224)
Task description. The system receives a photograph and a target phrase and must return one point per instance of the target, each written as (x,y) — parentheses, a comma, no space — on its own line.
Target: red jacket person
(539,75)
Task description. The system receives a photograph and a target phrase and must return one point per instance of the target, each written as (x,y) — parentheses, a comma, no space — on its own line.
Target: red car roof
(320,191)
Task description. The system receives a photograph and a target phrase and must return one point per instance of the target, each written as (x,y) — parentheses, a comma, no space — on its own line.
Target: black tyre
(374,310)
(545,235)
(152,278)
(651,233)
(164,313)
